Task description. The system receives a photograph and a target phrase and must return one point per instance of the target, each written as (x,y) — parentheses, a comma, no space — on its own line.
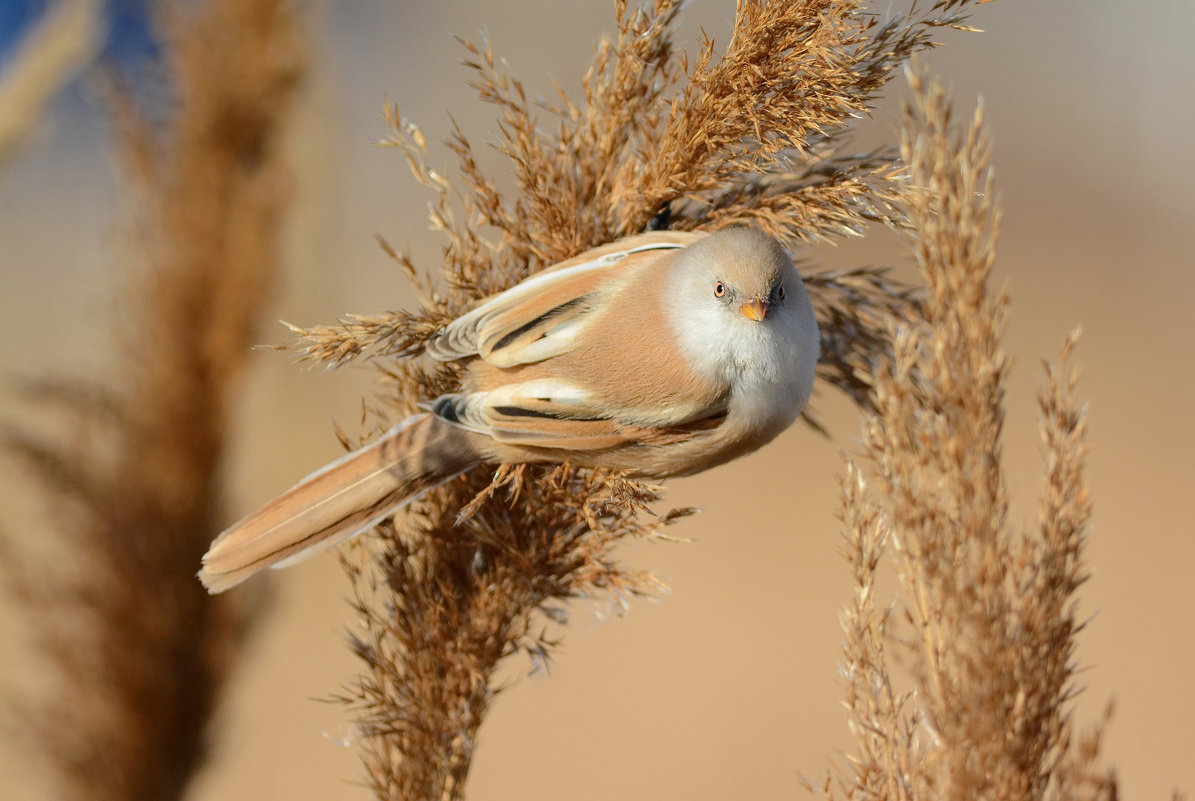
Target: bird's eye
(779,293)
(719,289)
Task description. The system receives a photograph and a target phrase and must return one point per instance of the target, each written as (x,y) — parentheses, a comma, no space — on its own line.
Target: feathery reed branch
(757,135)
(992,657)
(141,649)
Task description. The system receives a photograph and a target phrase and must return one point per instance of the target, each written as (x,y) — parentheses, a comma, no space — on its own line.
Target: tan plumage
(341,499)
(662,354)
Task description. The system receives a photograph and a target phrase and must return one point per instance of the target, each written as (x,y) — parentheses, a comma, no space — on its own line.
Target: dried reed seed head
(990,611)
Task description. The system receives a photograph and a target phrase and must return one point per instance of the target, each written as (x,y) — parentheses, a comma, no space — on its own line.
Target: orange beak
(755,309)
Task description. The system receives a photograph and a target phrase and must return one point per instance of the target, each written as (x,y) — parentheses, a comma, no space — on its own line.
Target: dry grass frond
(756,135)
(132,462)
(856,310)
(444,603)
(61,45)
(992,657)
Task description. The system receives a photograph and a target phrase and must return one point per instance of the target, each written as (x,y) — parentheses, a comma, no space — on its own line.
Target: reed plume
(131,462)
(985,711)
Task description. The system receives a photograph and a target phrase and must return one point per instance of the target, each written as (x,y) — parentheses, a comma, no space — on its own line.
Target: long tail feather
(340,500)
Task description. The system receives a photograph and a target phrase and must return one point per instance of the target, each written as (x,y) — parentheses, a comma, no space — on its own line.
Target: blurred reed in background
(131,461)
(61,46)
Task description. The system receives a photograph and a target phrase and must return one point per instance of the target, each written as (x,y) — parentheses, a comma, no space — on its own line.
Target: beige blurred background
(727,688)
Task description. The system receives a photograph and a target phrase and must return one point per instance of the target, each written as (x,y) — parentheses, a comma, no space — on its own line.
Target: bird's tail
(340,500)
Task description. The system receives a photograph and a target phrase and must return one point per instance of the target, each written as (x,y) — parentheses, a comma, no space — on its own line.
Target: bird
(661,354)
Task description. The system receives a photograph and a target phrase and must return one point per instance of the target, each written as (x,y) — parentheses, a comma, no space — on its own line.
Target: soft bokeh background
(726,688)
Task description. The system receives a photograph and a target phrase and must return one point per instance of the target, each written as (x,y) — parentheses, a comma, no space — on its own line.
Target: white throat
(768,366)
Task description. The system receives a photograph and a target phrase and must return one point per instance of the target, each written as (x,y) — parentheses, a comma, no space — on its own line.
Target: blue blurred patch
(129,44)
(15,17)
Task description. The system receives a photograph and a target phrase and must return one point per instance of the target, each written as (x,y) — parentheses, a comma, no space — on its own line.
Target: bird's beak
(755,309)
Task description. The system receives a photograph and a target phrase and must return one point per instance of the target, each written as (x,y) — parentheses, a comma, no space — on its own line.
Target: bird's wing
(538,421)
(540,317)
(536,320)
(553,413)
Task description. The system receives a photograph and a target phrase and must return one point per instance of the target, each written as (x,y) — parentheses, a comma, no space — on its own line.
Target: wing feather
(552,414)
(536,320)
(541,317)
